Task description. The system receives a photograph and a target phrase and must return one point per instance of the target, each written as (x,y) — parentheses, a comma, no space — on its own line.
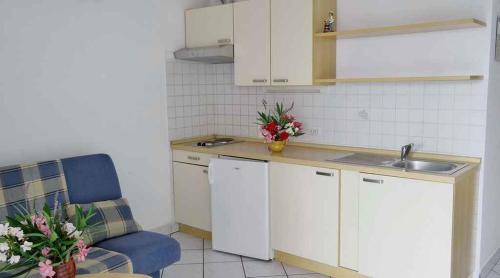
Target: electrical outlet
(312,131)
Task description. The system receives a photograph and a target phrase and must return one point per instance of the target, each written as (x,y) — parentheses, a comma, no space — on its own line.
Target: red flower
(297,124)
(284,136)
(271,127)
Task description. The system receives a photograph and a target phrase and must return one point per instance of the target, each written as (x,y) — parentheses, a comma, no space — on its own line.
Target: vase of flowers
(66,270)
(42,239)
(278,125)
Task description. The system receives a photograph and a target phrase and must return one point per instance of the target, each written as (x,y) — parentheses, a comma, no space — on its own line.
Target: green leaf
(53,237)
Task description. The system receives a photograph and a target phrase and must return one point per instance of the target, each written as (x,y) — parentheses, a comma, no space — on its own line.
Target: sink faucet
(405,151)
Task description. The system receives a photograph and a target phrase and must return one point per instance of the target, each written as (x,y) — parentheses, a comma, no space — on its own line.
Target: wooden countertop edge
(473,162)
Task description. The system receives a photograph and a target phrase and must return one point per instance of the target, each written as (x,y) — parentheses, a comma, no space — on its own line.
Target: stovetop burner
(216,142)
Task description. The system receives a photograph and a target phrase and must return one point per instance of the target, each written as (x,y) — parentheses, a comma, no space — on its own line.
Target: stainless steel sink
(428,166)
(395,163)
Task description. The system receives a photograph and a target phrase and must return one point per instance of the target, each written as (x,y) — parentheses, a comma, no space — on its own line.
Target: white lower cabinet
(305,211)
(192,191)
(405,227)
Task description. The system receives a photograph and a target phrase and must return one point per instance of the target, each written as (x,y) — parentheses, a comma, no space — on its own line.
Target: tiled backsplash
(439,117)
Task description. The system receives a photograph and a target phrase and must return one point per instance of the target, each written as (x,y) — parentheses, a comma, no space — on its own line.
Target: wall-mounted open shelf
(399,79)
(407,28)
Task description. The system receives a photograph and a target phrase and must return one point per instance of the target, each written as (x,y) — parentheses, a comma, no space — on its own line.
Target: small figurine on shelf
(330,23)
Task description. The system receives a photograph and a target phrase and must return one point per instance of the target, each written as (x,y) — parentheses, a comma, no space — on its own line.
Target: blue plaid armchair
(83,180)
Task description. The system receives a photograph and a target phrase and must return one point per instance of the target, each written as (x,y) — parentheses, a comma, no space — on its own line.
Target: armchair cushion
(112,218)
(91,178)
(148,251)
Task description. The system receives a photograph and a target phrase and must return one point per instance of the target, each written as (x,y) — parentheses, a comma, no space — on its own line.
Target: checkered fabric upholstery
(102,260)
(112,218)
(24,187)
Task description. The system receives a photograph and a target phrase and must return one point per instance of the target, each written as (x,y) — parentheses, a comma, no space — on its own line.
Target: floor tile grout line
(283,266)
(203,257)
(188,264)
(243,266)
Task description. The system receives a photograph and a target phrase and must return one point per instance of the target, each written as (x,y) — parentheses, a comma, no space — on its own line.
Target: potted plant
(43,240)
(277,126)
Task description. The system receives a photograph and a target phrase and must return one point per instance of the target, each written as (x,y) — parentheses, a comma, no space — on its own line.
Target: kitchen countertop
(317,156)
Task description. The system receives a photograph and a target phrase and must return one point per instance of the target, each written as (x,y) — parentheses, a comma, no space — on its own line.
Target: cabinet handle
(223,40)
(373,181)
(205,171)
(259,80)
(281,80)
(195,158)
(324,174)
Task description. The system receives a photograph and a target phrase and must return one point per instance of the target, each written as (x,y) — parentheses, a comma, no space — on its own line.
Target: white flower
(14,259)
(26,246)
(24,222)
(68,227)
(20,234)
(4,229)
(76,234)
(17,232)
(3,257)
(4,247)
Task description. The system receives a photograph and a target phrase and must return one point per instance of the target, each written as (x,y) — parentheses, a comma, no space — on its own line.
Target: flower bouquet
(277,126)
(43,240)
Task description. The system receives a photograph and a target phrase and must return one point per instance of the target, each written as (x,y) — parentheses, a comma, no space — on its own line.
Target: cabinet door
(252,43)
(192,195)
(305,212)
(405,227)
(209,26)
(291,42)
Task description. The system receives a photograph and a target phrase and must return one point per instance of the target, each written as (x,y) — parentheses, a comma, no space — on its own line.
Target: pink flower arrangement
(46,269)
(83,251)
(43,240)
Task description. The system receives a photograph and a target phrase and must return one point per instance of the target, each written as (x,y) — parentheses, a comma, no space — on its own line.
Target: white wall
(490,236)
(80,77)
(435,53)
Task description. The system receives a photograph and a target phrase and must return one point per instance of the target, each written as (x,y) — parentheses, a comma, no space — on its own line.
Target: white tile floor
(495,272)
(198,260)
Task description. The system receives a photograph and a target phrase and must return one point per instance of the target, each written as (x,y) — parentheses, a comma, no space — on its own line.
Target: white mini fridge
(240,207)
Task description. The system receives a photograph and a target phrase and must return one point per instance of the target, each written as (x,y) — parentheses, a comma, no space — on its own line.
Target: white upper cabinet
(292,42)
(252,43)
(209,26)
(305,211)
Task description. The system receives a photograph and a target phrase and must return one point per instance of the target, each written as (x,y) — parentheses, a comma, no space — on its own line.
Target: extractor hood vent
(208,55)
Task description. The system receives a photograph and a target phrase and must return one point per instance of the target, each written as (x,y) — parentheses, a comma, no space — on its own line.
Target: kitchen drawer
(192,157)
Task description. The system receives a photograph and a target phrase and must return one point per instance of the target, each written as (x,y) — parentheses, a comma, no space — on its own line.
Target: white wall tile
(439,117)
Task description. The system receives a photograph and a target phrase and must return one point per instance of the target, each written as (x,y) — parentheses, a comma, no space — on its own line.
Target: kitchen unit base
(195,232)
(337,272)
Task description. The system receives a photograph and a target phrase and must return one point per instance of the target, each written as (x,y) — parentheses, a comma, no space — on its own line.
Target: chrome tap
(405,151)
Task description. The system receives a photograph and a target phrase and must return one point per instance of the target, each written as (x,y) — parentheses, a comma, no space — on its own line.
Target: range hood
(209,55)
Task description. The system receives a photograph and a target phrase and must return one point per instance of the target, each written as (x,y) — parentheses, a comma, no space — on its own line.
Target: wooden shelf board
(399,79)
(407,28)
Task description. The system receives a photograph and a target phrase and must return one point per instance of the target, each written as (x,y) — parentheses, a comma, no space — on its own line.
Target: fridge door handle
(210,174)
